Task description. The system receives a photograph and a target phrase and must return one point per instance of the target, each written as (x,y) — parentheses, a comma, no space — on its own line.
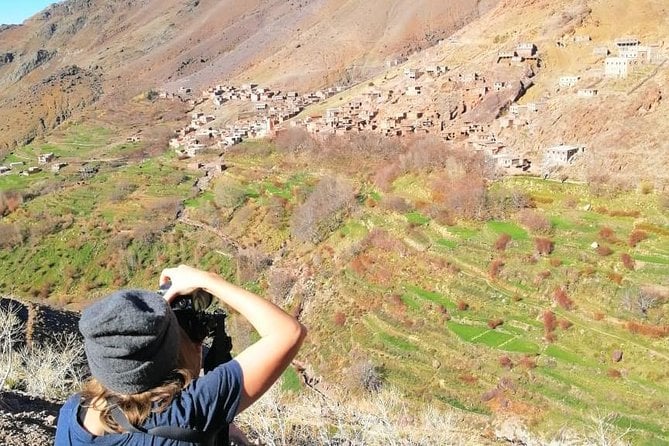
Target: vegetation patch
(504,227)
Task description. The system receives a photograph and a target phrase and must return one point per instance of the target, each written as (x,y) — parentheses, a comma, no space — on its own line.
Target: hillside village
(476,106)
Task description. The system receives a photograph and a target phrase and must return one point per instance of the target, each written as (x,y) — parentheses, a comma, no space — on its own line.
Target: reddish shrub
(494,323)
(339,319)
(623,213)
(654,331)
(502,242)
(637,236)
(468,378)
(562,299)
(628,261)
(360,264)
(598,315)
(604,250)
(616,212)
(555,262)
(614,373)
(615,278)
(462,305)
(607,234)
(528,362)
(534,221)
(564,324)
(550,321)
(543,245)
(505,362)
(495,268)
(550,337)
(589,270)
(395,203)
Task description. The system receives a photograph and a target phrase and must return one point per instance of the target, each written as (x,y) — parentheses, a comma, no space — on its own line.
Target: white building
(616,67)
(568,81)
(562,155)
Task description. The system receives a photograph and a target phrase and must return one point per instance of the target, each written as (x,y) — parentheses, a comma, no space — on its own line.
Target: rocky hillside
(121,48)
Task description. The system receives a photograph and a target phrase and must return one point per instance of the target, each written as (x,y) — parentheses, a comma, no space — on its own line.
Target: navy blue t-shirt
(203,405)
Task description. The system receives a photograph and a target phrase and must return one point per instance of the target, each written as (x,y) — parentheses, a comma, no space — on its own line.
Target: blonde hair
(137,407)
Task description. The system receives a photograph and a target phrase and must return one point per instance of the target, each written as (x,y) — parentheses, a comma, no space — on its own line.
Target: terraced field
(552,336)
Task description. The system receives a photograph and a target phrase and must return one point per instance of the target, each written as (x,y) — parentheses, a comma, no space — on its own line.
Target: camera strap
(172,432)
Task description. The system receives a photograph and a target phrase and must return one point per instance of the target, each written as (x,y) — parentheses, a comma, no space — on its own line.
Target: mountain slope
(140,44)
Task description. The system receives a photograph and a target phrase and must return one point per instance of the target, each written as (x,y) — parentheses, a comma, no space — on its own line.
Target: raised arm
(280,334)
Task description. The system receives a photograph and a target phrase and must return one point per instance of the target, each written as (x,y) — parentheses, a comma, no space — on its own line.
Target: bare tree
(323,210)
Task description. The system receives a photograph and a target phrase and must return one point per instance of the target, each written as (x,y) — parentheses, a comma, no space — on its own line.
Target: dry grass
(54,370)
(381,419)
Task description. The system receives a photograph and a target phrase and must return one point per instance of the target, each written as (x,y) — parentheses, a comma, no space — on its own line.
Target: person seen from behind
(146,382)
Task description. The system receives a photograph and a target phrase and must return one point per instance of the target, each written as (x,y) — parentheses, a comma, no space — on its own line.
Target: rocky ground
(26,420)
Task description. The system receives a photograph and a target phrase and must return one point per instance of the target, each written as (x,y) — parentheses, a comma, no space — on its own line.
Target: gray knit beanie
(131,339)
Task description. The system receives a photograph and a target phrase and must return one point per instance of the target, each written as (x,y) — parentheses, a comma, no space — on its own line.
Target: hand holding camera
(190,305)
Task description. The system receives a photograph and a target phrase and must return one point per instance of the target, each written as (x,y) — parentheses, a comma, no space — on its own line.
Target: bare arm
(280,334)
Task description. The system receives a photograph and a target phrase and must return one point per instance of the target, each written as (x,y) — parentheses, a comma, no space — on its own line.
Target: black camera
(200,324)
(191,312)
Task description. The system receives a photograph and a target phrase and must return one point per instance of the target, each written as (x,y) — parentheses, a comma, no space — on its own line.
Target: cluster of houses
(42,161)
(366,112)
(629,53)
(270,108)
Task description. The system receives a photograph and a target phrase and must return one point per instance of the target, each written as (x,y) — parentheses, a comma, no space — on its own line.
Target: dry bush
(543,246)
(339,319)
(614,373)
(549,321)
(296,140)
(603,250)
(385,175)
(502,242)
(250,263)
(653,331)
(636,237)
(534,221)
(528,362)
(505,362)
(277,211)
(329,420)
(495,268)
(615,278)
(9,202)
(462,305)
(396,203)
(229,193)
(562,299)
(121,191)
(468,378)
(598,315)
(607,234)
(10,235)
(11,328)
(555,262)
(56,369)
(323,210)
(165,207)
(564,324)
(663,200)
(280,281)
(624,213)
(627,260)
(494,323)
(466,198)
(369,376)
